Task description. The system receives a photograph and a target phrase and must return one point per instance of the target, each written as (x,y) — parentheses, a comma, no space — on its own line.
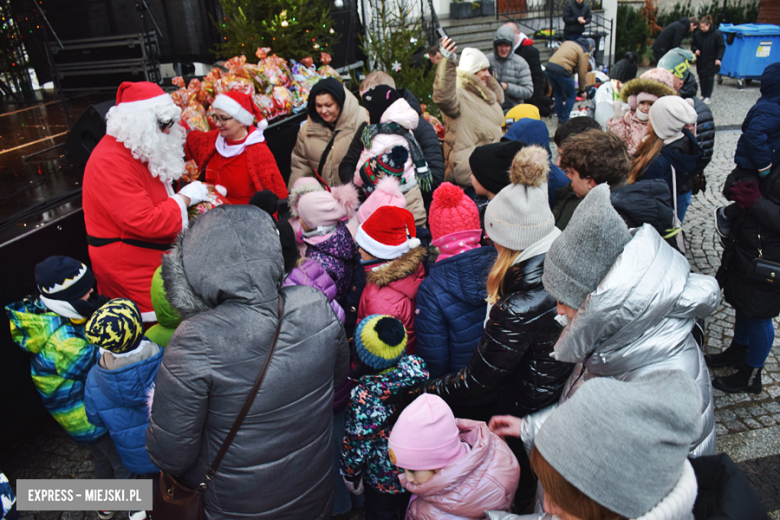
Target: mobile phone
(442,34)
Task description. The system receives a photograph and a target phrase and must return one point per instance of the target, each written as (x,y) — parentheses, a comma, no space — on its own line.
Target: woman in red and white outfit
(235,156)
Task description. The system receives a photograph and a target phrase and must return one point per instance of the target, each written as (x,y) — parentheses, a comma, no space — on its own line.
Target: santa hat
(386,234)
(240,107)
(140,95)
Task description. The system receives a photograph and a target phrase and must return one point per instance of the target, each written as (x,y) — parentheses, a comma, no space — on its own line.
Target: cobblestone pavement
(748,426)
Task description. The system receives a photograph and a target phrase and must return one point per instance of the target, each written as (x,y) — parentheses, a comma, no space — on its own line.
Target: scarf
(456,243)
(422,173)
(226,150)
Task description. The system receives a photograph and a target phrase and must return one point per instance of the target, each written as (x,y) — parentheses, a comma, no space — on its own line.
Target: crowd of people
(466,330)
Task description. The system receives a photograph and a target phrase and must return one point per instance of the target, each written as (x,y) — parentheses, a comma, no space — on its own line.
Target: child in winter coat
(120,386)
(450,309)
(392,121)
(393,260)
(323,216)
(168,318)
(640,94)
(51,328)
(455,468)
(299,188)
(669,149)
(382,371)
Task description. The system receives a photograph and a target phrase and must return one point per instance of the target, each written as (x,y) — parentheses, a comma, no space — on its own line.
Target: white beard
(139,132)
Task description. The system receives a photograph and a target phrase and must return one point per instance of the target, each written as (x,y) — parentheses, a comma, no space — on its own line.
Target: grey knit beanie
(624,444)
(584,253)
(519,215)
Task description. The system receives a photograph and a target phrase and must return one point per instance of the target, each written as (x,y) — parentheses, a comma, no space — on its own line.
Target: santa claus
(131,211)
(235,156)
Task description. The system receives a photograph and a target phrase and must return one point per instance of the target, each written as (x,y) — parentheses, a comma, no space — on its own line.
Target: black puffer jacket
(754,299)
(671,36)
(571,13)
(712,47)
(705,132)
(724,492)
(646,202)
(531,55)
(513,356)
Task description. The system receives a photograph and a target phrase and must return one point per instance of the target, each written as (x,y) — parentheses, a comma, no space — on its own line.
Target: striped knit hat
(389,163)
(380,341)
(117,327)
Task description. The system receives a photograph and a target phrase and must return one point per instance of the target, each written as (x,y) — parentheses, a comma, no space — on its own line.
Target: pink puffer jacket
(485,479)
(629,128)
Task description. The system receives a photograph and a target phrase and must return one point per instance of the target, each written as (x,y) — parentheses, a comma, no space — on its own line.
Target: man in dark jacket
(709,46)
(673,35)
(576,15)
(524,47)
(224,276)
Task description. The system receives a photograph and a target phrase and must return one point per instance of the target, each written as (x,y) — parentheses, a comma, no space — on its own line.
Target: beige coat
(313,138)
(472,117)
(573,58)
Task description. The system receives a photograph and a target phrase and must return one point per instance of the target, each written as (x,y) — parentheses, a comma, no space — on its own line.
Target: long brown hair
(565,495)
(645,153)
(495,281)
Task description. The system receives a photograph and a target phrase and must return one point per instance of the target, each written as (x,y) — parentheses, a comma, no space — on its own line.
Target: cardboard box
(591,79)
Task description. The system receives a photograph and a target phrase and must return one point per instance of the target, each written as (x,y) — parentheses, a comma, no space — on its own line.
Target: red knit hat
(386,234)
(241,107)
(140,95)
(451,211)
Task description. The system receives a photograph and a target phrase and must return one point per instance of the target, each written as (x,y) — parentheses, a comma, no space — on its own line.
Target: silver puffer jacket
(637,321)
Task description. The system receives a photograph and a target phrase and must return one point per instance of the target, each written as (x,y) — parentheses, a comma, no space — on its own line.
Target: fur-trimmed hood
(232,253)
(637,85)
(473,84)
(402,267)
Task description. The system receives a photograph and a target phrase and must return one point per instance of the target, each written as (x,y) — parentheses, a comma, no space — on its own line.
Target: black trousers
(707,84)
(381,506)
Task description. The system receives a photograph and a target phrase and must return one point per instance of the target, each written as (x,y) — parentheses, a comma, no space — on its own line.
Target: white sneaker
(706,101)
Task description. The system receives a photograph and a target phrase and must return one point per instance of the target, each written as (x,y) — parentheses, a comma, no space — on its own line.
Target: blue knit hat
(380,341)
(117,326)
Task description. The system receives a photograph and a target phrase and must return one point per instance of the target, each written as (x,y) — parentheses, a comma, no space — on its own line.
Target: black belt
(100,242)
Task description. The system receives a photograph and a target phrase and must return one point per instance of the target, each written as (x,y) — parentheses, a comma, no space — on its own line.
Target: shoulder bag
(762,270)
(175,500)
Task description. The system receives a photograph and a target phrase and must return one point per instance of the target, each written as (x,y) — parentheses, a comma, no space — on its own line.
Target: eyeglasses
(221,120)
(164,125)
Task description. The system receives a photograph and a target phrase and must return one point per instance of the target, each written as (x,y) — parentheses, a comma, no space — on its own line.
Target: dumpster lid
(751,29)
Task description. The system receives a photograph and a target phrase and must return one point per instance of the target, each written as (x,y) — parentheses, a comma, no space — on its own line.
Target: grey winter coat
(639,320)
(512,70)
(224,276)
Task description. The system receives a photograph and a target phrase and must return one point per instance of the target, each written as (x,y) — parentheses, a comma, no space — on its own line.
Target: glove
(617,106)
(745,194)
(356,488)
(196,191)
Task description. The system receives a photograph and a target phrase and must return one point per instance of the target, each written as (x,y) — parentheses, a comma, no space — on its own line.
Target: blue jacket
(533,131)
(451,310)
(684,155)
(117,400)
(759,145)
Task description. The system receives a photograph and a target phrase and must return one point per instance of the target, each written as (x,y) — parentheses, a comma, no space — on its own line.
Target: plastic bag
(194,118)
(232,83)
(326,71)
(275,105)
(435,123)
(215,199)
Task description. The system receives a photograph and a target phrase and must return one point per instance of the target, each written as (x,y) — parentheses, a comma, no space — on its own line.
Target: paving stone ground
(748,426)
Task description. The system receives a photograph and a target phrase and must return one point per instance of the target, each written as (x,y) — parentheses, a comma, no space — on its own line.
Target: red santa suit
(131,216)
(242,167)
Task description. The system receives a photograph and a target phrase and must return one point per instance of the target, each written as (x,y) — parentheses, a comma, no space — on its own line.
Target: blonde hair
(645,153)
(375,78)
(495,282)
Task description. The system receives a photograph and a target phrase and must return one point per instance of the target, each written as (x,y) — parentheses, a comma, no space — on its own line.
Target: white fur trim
(232,107)
(185,223)
(62,308)
(678,504)
(150,399)
(380,250)
(144,104)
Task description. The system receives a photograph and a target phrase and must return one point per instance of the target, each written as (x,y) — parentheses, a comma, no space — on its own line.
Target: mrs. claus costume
(242,167)
(131,212)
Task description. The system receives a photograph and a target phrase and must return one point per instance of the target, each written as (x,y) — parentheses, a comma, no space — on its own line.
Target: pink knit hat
(426,436)
(646,96)
(661,76)
(451,211)
(386,193)
(326,208)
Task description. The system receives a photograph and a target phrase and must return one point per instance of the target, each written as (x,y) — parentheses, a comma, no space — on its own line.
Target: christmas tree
(397,46)
(293,29)
(13,61)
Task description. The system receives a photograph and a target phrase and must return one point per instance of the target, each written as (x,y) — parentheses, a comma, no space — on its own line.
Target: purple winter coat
(338,256)
(311,274)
